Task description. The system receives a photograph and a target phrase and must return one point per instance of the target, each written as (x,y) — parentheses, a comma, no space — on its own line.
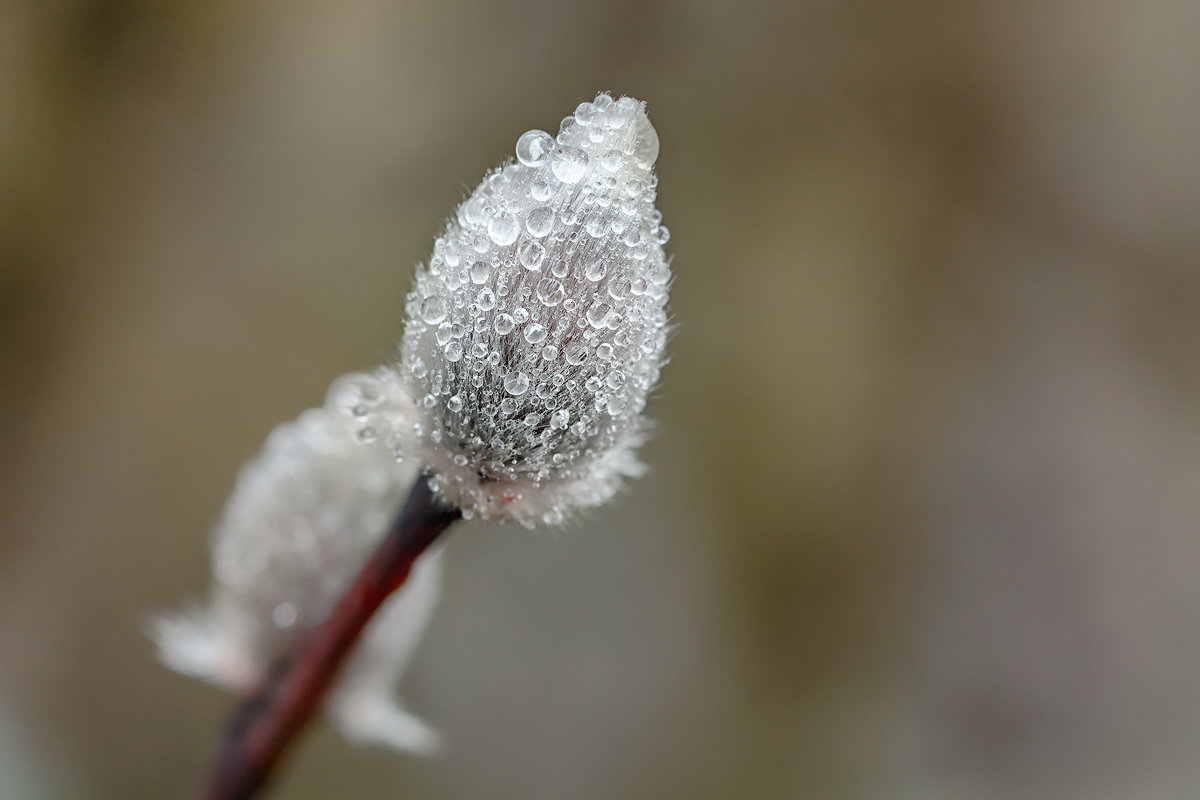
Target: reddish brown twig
(266,723)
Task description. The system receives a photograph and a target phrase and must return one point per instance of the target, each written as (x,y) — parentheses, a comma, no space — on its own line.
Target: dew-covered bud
(305,514)
(537,328)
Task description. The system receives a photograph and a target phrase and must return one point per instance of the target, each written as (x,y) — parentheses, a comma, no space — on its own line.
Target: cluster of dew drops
(537,329)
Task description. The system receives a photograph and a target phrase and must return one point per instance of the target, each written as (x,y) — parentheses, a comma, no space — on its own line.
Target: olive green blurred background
(924,511)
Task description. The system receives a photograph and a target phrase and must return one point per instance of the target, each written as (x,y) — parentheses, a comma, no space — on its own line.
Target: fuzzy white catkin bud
(303,518)
(537,328)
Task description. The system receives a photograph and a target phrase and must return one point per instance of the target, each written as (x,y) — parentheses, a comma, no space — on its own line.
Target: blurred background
(923,515)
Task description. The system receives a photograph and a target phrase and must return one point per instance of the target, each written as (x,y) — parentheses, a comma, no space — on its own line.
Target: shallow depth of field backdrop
(924,516)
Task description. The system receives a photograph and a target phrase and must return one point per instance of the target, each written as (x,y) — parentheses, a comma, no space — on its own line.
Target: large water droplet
(455,404)
(453,351)
(550,291)
(540,221)
(531,254)
(645,149)
(585,113)
(486,299)
(569,164)
(503,324)
(575,354)
(503,228)
(597,315)
(611,160)
(479,272)
(535,333)
(533,148)
(516,383)
(595,270)
(433,310)
(597,226)
(560,419)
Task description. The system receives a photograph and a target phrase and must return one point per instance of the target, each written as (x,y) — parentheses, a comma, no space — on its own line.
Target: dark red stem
(267,722)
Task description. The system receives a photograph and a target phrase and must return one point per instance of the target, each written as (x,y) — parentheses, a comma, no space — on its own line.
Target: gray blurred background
(923,517)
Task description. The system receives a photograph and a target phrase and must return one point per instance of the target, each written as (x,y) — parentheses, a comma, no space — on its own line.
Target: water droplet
(611,160)
(516,383)
(486,299)
(532,419)
(604,352)
(569,164)
(479,272)
(533,148)
(453,351)
(549,353)
(455,404)
(433,310)
(504,323)
(444,333)
(645,149)
(531,254)
(503,228)
(540,221)
(585,113)
(285,615)
(540,191)
(595,270)
(520,314)
(615,380)
(597,315)
(560,419)
(575,354)
(550,291)
(597,225)
(535,333)
(592,384)
(618,288)
(507,406)
(560,269)
(367,434)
